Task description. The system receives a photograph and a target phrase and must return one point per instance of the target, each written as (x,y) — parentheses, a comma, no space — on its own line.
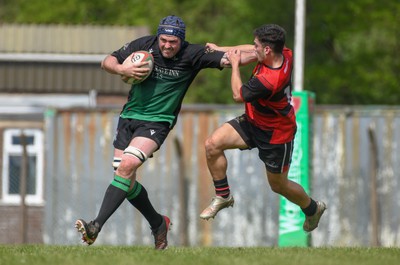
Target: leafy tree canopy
(352,47)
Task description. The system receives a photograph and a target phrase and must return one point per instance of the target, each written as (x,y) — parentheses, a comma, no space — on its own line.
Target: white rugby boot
(218,203)
(312,221)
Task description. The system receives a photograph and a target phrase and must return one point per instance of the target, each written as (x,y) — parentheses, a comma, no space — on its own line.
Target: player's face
(260,51)
(169,45)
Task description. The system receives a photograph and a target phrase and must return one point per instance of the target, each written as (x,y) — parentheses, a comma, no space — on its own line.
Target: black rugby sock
(114,196)
(139,198)
(222,187)
(311,209)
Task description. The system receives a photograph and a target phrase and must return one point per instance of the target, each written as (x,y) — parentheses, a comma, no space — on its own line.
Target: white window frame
(37,149)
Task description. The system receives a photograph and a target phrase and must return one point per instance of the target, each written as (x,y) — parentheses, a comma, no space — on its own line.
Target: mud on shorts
(276,157)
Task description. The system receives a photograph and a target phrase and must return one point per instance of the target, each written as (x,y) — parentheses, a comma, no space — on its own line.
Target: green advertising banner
(291,218)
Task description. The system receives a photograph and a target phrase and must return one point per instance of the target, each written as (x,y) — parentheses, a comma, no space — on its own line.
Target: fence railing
(354,171)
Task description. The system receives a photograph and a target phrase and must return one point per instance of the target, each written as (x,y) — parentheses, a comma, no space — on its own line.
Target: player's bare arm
(242,47)
(234,56)
(111,65)
(247,53)
(247,56)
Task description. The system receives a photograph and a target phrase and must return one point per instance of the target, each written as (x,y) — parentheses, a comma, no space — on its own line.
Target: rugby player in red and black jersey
(268,124)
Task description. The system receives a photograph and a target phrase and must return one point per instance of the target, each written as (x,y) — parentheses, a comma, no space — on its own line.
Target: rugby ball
(135,58)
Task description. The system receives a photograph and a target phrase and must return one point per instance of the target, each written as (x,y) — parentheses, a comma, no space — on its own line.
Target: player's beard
(260,57)
(168,53)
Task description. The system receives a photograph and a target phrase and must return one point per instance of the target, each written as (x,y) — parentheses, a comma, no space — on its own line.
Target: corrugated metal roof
(56,77)
(66,39)
(61,58)
(51,57)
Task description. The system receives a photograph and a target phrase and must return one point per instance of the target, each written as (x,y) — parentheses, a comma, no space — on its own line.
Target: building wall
(11,222)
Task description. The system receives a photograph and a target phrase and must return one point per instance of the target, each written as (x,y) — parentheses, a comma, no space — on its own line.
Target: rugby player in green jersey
(149,115)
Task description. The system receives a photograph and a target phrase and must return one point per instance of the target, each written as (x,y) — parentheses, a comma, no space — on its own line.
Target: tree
(352,47)
(351,54)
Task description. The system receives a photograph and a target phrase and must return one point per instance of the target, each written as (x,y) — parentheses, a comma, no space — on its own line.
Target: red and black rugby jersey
(267,96)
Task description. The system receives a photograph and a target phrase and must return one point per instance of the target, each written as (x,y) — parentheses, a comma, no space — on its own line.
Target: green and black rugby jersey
(159,97)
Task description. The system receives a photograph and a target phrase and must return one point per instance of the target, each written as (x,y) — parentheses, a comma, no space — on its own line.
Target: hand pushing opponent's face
(169,45)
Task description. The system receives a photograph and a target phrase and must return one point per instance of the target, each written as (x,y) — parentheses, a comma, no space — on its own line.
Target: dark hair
(271,35)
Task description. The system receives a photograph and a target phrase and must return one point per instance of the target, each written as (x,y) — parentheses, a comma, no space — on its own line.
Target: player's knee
(211,147)
(126,168)
(132,158)
(278,187)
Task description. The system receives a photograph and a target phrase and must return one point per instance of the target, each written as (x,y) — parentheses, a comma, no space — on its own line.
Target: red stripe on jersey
(275,112)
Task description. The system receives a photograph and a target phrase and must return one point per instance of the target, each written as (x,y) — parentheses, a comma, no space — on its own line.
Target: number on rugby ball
(137,57)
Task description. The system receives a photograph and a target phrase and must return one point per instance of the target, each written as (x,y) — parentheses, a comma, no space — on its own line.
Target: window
(12,166)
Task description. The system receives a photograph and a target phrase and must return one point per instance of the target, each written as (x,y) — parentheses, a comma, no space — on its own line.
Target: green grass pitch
(141,255)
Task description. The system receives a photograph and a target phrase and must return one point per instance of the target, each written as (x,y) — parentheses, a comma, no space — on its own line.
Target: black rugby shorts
(128,129)
(276,157)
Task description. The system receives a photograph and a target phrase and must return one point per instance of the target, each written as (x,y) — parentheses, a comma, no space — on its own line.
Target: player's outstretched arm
(242,47)
(247,57)
(247,53)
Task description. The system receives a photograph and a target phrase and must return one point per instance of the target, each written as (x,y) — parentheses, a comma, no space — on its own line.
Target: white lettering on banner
(290,220)
(295,166)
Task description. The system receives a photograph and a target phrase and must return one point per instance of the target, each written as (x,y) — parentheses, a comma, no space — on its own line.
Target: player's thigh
(139,149)
(226,137)
(144,144)
(118,152)
(140,143)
